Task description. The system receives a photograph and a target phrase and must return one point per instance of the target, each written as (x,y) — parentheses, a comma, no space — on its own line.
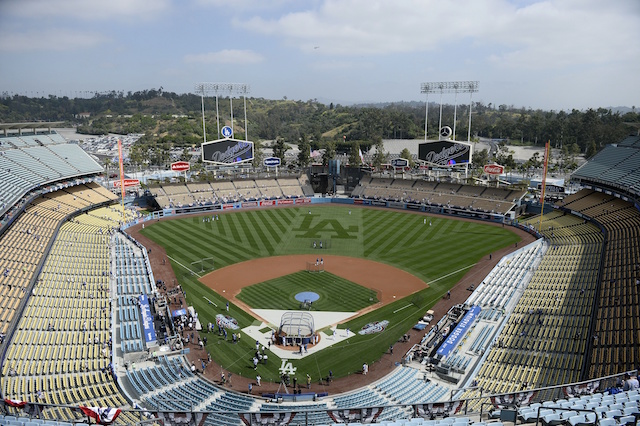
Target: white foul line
(438,279)
(192,272)
(454,272)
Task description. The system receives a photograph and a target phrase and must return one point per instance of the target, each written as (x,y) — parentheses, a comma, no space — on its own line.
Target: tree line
(171,120)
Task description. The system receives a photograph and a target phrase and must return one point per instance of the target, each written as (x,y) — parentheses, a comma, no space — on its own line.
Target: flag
(280,419)
(102,415)
(518,399)
(15,403)
(361,156)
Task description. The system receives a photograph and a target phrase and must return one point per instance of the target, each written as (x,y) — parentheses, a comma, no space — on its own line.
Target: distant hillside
(170,119)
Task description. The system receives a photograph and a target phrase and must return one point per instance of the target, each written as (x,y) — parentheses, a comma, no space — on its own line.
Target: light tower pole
(218,89)
(454,87)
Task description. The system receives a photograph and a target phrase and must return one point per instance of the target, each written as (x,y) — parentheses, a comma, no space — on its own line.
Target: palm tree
(108,162)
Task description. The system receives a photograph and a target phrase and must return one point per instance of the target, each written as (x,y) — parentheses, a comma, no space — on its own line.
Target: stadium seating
(499,287)
(546,336)
(466,197)
(24,243)
(617,328)
(616,166)
(406,386)
(28,162)
(60,350)
(204,193)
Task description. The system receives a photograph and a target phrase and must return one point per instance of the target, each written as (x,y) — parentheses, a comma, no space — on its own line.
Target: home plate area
(321,320)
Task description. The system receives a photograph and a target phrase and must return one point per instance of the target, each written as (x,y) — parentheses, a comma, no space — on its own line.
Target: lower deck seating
(60,352)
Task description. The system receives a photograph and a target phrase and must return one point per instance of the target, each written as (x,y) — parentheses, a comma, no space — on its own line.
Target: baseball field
(387,265)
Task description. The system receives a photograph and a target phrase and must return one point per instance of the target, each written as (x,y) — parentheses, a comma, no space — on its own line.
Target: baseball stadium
(412,299)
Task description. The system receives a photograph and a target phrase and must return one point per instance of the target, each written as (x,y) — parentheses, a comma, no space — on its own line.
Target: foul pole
(544,182)
(121,179)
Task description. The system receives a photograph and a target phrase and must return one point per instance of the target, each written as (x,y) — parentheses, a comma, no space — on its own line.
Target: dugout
(296,328)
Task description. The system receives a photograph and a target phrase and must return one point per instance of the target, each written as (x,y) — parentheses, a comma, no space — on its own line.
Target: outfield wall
(214,209)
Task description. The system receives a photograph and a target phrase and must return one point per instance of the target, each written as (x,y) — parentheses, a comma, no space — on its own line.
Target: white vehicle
(428,317)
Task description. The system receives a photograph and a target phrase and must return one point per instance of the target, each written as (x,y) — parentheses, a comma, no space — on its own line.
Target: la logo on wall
(287,368)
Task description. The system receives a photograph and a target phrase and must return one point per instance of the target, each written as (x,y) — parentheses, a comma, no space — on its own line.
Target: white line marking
(454,272)
(192,272)
(207,299)
(404,307)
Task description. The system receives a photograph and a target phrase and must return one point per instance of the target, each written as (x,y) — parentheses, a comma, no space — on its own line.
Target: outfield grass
(336,293)
(439,254)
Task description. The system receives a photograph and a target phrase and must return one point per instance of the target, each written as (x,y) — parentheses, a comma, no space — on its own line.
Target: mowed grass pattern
(336,293)
(439,254)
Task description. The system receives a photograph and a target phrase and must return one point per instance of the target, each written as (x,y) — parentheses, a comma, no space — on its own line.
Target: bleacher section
(616,335)
(206,193)
(61,348)
(466,197)
(132,279)
(615,166)
(30,161)
(23,244)
(407,386)
(546,337)
(508,276)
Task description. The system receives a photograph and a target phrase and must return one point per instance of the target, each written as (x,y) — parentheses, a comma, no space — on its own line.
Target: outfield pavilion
(69,277)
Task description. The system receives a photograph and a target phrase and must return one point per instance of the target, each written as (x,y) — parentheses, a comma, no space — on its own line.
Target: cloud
(49,40)
(518,34)
(372,27)
(245,5)
(557,34)
(226,56)
(86,9)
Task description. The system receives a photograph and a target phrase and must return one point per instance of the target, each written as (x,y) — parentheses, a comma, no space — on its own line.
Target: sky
(552,55)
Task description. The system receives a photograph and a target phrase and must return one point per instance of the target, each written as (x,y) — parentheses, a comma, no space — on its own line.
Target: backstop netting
(296,324)
(315,266)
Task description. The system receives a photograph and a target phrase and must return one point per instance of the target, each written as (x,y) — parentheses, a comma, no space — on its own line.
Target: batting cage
(202,265)
(296,327)
(317,266)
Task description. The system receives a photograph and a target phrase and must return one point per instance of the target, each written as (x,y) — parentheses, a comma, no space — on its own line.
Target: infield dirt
(389,283)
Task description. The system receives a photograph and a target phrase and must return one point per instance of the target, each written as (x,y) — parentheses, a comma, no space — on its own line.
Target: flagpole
(544,182)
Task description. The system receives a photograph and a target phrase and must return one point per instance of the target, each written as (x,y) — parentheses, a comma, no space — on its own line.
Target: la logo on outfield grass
(331,227)
(287,368)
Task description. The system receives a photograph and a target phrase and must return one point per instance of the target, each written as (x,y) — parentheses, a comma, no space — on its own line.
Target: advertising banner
(459,332)
(180,166)
(227,151)
(445,153)
(149,330)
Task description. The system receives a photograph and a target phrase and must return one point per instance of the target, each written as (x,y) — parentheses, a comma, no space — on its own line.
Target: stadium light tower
(454,87)
(218,89)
